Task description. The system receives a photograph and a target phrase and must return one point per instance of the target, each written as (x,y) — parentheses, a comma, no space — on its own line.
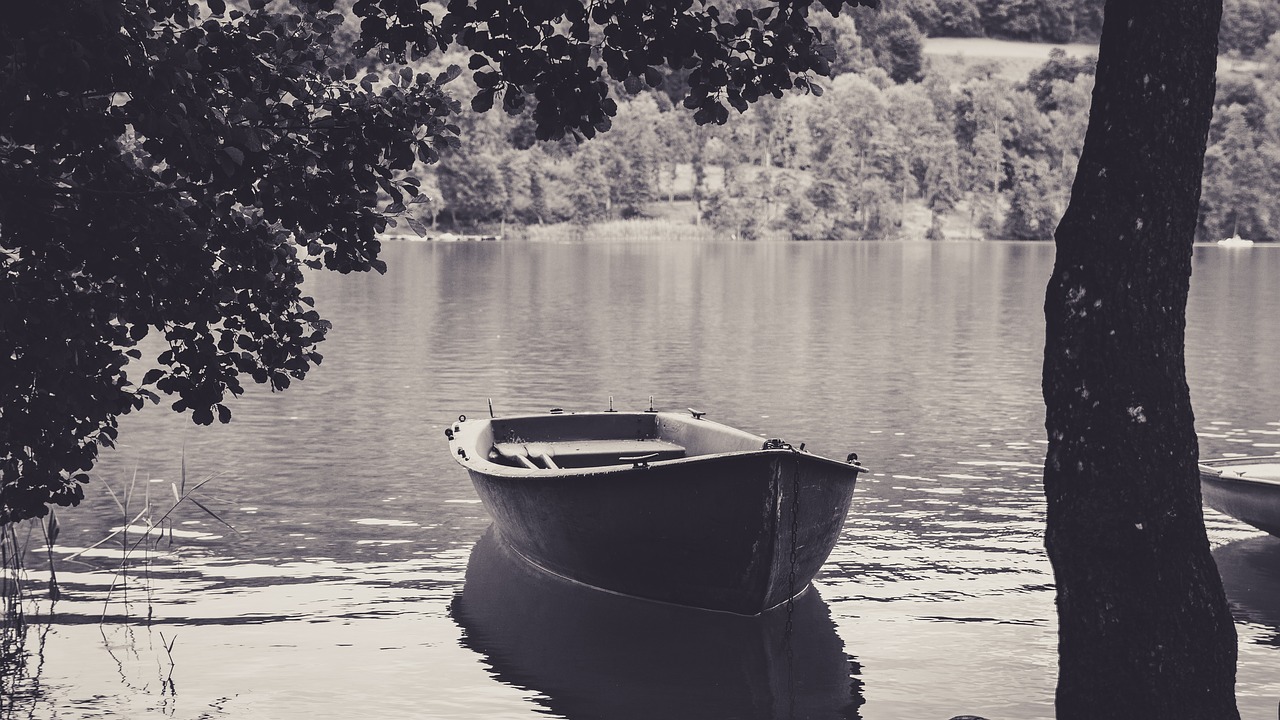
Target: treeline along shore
(916,135)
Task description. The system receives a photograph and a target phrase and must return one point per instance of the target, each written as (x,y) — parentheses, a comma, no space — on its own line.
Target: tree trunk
(902,204)
(699,179)
(1144,627)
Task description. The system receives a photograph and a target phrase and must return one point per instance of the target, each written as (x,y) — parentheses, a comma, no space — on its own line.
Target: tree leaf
(450,74)
(482,101)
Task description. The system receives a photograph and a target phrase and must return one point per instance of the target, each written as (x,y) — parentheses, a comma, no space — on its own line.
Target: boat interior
(580,440)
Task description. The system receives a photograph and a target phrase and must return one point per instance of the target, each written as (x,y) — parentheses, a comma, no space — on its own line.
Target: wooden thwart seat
(586,453)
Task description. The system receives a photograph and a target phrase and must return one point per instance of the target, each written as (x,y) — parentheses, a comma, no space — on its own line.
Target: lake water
(354,529)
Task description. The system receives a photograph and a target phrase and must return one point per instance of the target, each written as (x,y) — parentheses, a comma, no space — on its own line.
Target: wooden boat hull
(1247,489)
(741,531)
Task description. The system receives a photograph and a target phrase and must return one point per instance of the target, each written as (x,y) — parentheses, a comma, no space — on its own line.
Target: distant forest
(897,145)
(1247,25)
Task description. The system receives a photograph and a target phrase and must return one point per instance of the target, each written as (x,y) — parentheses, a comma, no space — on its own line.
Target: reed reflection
(1250,572)
(22,645)
(592,654)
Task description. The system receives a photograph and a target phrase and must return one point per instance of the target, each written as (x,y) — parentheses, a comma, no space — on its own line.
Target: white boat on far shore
(1235,241)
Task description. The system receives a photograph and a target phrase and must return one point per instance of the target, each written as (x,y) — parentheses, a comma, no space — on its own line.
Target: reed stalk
(145,522)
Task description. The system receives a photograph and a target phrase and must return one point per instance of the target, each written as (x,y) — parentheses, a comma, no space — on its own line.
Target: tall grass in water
(147,523)
(144,523)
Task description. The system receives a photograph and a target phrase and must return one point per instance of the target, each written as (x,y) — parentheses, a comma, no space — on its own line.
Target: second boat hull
(1247,489)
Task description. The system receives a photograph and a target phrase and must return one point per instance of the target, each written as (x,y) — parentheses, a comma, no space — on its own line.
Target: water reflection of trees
(593,654)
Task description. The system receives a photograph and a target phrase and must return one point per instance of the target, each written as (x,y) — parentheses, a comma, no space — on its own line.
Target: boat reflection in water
(593,654)
(1250,572)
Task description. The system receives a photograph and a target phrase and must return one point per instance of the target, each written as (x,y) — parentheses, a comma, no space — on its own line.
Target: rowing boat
(1246,488)
(665,506)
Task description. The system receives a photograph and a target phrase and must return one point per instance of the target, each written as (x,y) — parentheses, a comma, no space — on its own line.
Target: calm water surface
(359,581)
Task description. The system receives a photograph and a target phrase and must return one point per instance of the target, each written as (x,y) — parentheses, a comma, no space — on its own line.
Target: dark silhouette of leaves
(167,168)
(557,54)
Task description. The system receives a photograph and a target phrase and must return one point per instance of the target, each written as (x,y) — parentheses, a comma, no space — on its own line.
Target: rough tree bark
(1144,627)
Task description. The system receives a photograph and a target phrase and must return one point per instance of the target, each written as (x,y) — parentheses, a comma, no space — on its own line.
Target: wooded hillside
(897,144)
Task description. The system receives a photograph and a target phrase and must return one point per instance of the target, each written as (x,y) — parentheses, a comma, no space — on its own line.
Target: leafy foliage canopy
(173,167)
(558,52)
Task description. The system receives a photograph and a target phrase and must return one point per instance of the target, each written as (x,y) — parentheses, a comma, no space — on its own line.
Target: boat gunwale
(479,462)
(1225,469)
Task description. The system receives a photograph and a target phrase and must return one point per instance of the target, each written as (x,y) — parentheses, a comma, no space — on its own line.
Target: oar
(521,455)
(542,452)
